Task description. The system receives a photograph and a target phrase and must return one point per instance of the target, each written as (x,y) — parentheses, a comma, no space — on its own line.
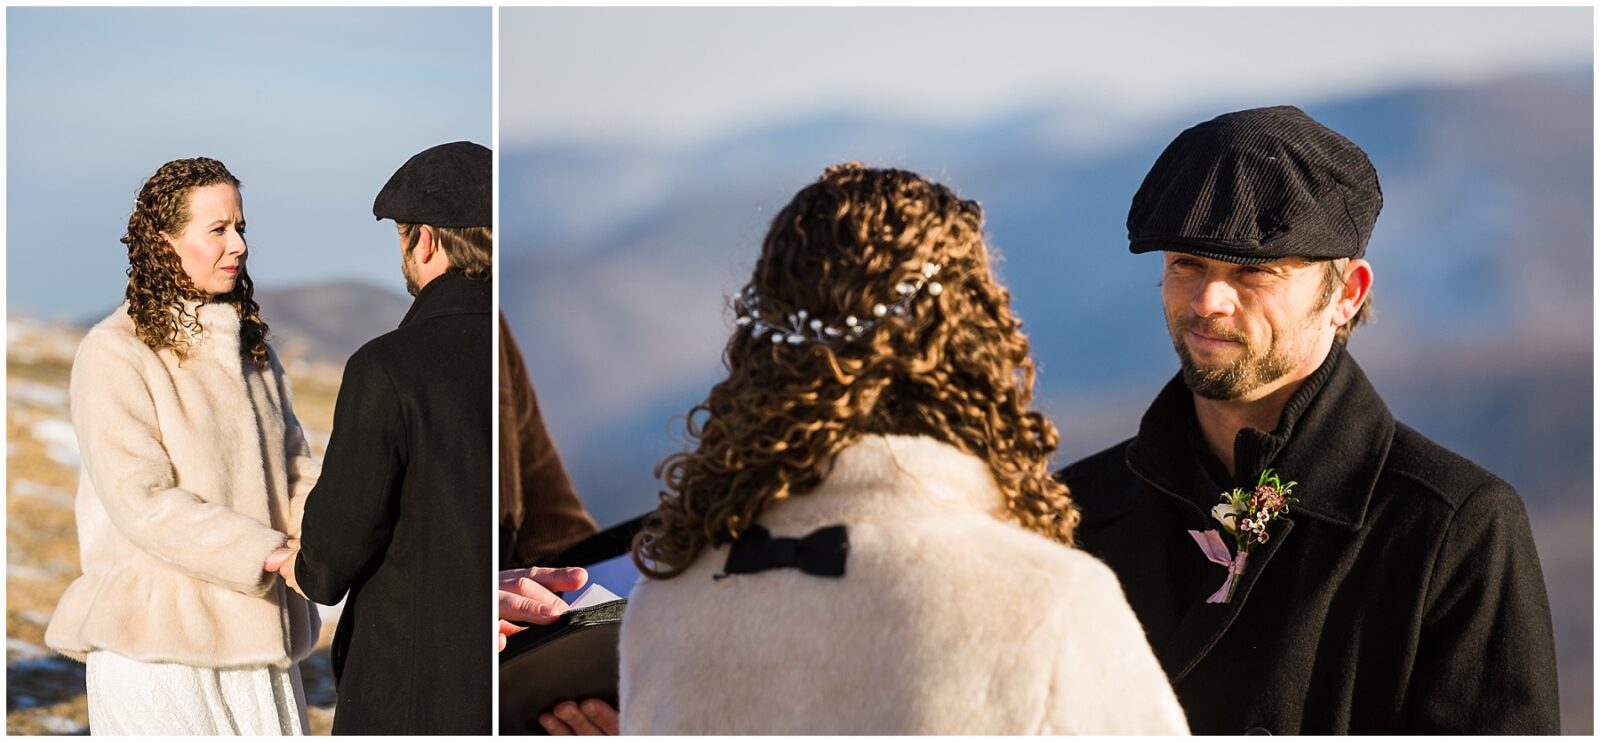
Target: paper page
(594,594)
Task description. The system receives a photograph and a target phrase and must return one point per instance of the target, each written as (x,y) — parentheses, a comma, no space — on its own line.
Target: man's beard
(405,270)
(1233,380)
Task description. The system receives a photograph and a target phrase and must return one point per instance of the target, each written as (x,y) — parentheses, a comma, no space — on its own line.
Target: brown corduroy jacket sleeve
(536,497)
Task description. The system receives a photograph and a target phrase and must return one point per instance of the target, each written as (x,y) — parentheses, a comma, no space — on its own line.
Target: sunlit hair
(955,368)
(470,249)
(157,284)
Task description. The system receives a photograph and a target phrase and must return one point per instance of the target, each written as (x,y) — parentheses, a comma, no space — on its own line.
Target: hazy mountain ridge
(327,322)
(321,322)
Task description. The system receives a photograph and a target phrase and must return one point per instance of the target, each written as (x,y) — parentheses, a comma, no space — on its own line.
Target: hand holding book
(529,595)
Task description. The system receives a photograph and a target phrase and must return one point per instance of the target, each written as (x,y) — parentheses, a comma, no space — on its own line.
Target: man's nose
(1213,298)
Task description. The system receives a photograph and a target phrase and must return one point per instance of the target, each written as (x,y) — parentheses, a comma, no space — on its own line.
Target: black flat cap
(450,185)
(1257,185)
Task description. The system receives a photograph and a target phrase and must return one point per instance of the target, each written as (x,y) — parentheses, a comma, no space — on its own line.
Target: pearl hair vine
(802,327)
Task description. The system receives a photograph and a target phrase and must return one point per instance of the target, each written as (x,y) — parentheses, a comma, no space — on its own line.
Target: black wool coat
(401,518)
(1401,594)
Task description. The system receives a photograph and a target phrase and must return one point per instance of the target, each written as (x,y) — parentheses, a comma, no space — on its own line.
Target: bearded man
(1400,591)
(398,524)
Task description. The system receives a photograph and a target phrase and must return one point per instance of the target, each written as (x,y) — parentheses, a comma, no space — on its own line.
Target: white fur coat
(948,620)
(193,471)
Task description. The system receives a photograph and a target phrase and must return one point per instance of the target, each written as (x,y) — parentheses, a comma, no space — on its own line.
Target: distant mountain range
(326,322)
(322,322)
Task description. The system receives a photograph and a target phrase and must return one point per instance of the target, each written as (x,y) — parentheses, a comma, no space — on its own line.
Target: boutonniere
(1245,515)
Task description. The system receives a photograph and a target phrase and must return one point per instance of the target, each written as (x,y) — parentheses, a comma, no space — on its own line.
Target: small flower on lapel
(1227,515)
(1245,515)
(1255,509)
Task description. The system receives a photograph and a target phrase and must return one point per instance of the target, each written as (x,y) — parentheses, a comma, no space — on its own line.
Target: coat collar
(891,473)
(450,293)
(218,336)
(219,324)
(1333,438)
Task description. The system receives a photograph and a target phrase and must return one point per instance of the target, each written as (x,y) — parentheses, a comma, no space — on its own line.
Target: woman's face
(211,246)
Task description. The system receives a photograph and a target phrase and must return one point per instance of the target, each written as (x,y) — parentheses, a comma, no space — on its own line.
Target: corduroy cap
(450,185)
(1258,185)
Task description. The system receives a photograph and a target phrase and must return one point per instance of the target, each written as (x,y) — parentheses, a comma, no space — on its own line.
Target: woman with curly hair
(867,537)
(194,476)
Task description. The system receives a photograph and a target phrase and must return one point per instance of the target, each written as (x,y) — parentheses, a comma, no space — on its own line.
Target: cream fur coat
(192,473)
(947,621)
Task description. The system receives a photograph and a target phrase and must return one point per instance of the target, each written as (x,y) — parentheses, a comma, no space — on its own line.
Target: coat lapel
(1204,623)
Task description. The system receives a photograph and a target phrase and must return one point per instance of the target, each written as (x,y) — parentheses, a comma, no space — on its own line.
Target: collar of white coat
(218,336)
(889,474)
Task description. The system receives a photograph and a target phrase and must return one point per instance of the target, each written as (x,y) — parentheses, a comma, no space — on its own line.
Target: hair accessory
(802,327)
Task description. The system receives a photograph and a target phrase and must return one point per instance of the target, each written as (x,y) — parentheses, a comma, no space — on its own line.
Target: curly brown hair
(955,368)
(157,285)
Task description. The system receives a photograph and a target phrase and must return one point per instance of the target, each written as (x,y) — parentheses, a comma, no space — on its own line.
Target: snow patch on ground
(59,725)
(28,572)
(59,439)
(17,649)
(37,393)
(35,617)
(54,666)
(30,488)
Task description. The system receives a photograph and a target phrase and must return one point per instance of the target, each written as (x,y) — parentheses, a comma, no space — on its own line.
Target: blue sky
(311,108)
(673,76)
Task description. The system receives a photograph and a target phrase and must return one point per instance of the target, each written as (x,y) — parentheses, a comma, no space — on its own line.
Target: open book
(574,658)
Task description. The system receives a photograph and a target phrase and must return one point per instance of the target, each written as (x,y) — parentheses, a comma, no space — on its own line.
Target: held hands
(527,595)
(282,560)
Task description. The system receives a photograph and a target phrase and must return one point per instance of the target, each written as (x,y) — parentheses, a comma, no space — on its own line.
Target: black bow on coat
(821,553)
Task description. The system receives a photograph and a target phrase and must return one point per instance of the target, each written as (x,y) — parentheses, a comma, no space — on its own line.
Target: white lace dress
(147,698)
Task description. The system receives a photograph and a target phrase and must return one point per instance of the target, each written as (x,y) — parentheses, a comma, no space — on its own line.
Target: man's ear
(1357,285)
(425,245)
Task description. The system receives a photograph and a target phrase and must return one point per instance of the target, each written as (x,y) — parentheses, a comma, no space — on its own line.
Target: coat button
(1258,730)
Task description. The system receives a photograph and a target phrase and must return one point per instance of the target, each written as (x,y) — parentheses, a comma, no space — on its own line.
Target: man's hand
(281,560)
(593,716)
(526,595)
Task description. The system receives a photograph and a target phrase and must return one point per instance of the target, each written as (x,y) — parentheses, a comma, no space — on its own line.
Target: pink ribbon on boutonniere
(1217,552)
